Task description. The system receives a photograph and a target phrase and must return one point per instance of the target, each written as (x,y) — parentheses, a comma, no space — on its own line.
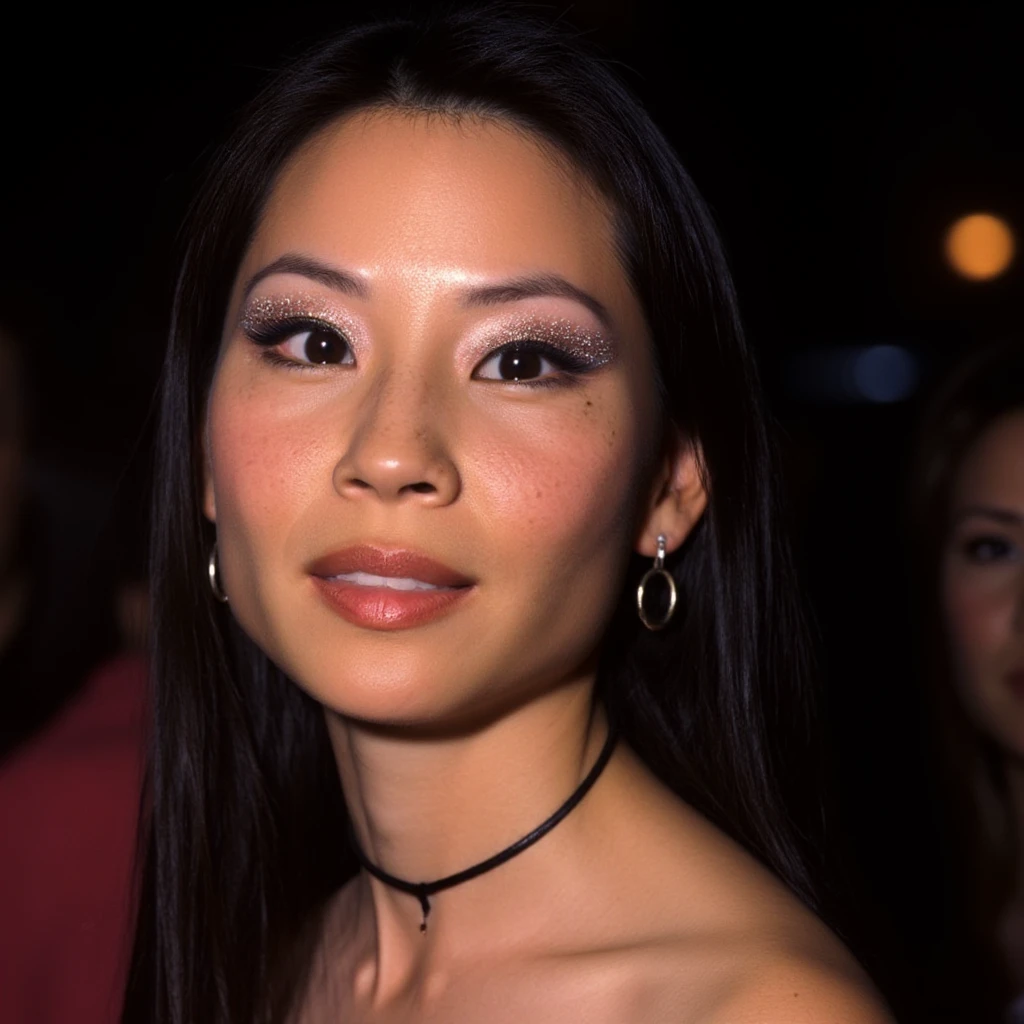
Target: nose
(396,451)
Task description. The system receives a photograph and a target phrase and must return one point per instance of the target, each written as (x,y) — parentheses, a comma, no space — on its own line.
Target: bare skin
(635,909)
(983,597)
(456,737)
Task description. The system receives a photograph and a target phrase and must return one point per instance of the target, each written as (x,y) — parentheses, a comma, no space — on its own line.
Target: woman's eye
(989,549)
(517,362)
(317,345)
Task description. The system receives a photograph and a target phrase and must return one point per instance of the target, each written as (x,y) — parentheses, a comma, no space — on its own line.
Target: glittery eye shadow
(263,316)
(593,349)
(264,312)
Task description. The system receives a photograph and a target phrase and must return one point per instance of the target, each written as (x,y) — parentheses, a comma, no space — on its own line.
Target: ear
(678,496)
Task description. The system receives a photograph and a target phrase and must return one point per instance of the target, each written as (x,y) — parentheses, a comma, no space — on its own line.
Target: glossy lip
(381,608)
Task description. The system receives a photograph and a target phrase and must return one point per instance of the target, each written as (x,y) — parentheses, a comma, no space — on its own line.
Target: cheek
(978,613)
(267,462)
(566,484)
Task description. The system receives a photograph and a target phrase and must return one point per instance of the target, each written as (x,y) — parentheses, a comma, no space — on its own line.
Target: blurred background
(837,150)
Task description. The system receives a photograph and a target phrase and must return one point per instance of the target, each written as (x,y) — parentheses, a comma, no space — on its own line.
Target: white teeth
(365,579)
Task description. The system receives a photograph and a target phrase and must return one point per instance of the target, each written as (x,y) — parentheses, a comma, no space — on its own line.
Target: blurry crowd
(73,627)
(73,624)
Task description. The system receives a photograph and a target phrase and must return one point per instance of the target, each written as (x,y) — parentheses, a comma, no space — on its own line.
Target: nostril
(422,488)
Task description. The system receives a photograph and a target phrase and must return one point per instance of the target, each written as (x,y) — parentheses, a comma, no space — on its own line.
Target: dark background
(835,148)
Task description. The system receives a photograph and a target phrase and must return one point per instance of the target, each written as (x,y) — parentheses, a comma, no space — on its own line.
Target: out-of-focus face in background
(11,453)
(983,581)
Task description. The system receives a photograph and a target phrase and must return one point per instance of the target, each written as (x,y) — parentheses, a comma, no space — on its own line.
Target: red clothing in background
(69,804)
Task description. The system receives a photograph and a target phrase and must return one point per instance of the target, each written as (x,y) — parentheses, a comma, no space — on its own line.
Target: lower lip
(384,609)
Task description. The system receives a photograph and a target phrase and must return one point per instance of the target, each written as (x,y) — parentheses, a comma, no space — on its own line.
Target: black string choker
(424,890)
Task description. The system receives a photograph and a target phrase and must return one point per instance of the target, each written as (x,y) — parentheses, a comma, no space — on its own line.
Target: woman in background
(481,679)
(71,726)
(969,525)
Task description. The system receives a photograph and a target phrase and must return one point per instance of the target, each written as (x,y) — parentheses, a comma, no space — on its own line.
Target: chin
(389,693)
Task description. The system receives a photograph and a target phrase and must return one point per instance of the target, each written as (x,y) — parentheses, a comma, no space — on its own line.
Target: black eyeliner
(567,362)
(274,332)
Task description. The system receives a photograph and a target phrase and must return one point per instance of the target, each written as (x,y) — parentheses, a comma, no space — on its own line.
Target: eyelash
(973,548)
(271,335)
(569,368)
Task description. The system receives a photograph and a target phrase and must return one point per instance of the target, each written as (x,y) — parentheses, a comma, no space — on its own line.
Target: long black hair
(246,836)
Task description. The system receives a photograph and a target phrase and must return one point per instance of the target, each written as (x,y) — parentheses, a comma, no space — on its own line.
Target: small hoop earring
(658,571)
(218,590)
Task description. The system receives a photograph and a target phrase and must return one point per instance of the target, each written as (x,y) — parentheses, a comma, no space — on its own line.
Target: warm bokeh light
(980,246)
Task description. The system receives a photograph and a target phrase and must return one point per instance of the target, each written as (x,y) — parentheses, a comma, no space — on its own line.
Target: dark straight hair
(246,827)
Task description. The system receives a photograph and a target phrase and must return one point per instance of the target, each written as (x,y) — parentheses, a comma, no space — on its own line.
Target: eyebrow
(539,285)
(315,270)
(1000,515)
(513,290)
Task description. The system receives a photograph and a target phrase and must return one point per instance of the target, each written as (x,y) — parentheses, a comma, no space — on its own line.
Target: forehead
(389,192)
(994,466)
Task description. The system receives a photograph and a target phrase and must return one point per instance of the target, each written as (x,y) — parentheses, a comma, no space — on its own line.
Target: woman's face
(983,581)
(431,434)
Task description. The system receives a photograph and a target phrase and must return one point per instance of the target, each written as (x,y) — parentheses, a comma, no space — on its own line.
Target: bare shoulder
(747,975)
(720,939)
(749,972)
(794,989)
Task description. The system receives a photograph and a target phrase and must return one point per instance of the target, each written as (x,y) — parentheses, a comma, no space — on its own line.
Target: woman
(455,367)
(53,581)
(969,504)
(70,730)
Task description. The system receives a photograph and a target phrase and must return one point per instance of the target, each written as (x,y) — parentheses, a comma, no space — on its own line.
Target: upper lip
(396,563)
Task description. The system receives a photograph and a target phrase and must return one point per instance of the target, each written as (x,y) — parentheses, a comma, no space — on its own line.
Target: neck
(428,807)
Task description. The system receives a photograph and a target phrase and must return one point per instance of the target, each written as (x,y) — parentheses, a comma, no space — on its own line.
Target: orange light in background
(980,246)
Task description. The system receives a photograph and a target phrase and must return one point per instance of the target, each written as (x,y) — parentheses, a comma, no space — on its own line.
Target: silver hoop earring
(666,605)
(218,591)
